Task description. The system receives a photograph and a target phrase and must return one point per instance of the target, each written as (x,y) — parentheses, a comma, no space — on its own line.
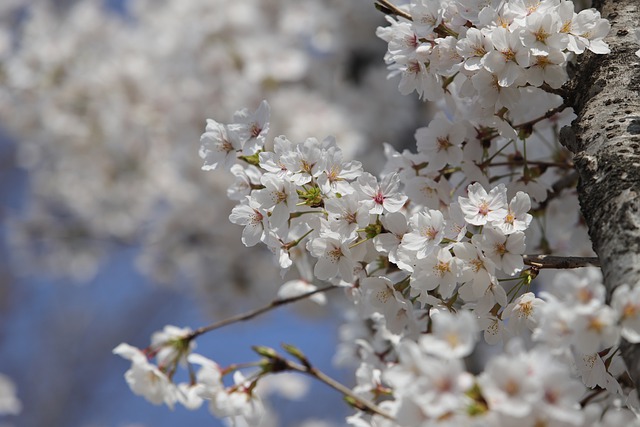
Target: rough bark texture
(605,138)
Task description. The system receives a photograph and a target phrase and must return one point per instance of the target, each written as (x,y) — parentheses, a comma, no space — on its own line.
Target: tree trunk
(605,138)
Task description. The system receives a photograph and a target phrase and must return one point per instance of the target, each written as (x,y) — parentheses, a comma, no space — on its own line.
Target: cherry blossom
(481,207)
(429,253)
(145,379)
(380,197)
(427,231)
(453,335)
(254,218)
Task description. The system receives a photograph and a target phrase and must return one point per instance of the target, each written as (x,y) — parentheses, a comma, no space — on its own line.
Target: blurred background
(110,230)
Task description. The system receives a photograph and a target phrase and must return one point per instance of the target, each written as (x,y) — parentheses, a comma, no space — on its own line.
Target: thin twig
(395,10)
(564,182)
(319,375)
(533,162)
(254,313)
(560,262)
(546,115)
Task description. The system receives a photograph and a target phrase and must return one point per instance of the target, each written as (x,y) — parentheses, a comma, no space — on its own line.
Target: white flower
(443,387)
(477,270)
(436,270)
(550,69)
(9,402)
(256,127)
(582,291)
(592,370)
(504,250)
(400,36)
(541,34)
(294,288)
(347,214)
(380,197)
(523,312)
(396,225)
(427,231)
(554,325)
(589,30)
(336,175)
(219,145)
(626,302)
(279,196)
(384,299)
(508,387)
(517,217)
(491,95)
(509,58)
(561,394)
(493,328)
(414,75)
(473,48)
(596,330)
(452,335)
(334,256)
(481,208)
(239,404)
(440,142)
(427,192)
(253,217)
(208,377)
(303,161)
(456,226)
(170,346)
(272,161)
(426,16)
(288,385)
(145,379)
(245,179)
(188,395)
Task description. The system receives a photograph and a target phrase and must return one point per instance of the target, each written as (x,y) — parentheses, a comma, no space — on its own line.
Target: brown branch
(605,140)
(521,162)
(254,313)
(358,401)
(560,262)
(550,113)
(392,9)
(567,181)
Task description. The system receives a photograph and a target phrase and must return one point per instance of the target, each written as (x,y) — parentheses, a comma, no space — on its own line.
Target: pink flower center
(255,130)
(226,146)
(443,143)
(509,218)
(335,254)
(442,268)
(483,209)
(379,198)
(257,217)
(430,233)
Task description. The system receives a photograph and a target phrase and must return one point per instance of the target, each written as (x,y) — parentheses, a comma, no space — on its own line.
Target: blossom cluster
(401,261)
(490,49)
(171,347)
(9,402)
(431,253)
(108,143)
(351,219)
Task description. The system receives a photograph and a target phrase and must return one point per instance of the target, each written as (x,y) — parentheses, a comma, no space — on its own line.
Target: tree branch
(389,8)
(362,403)
(560,262)
(605,138)
(254,313)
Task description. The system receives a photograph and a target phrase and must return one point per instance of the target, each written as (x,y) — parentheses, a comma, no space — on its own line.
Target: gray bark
(605,138)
